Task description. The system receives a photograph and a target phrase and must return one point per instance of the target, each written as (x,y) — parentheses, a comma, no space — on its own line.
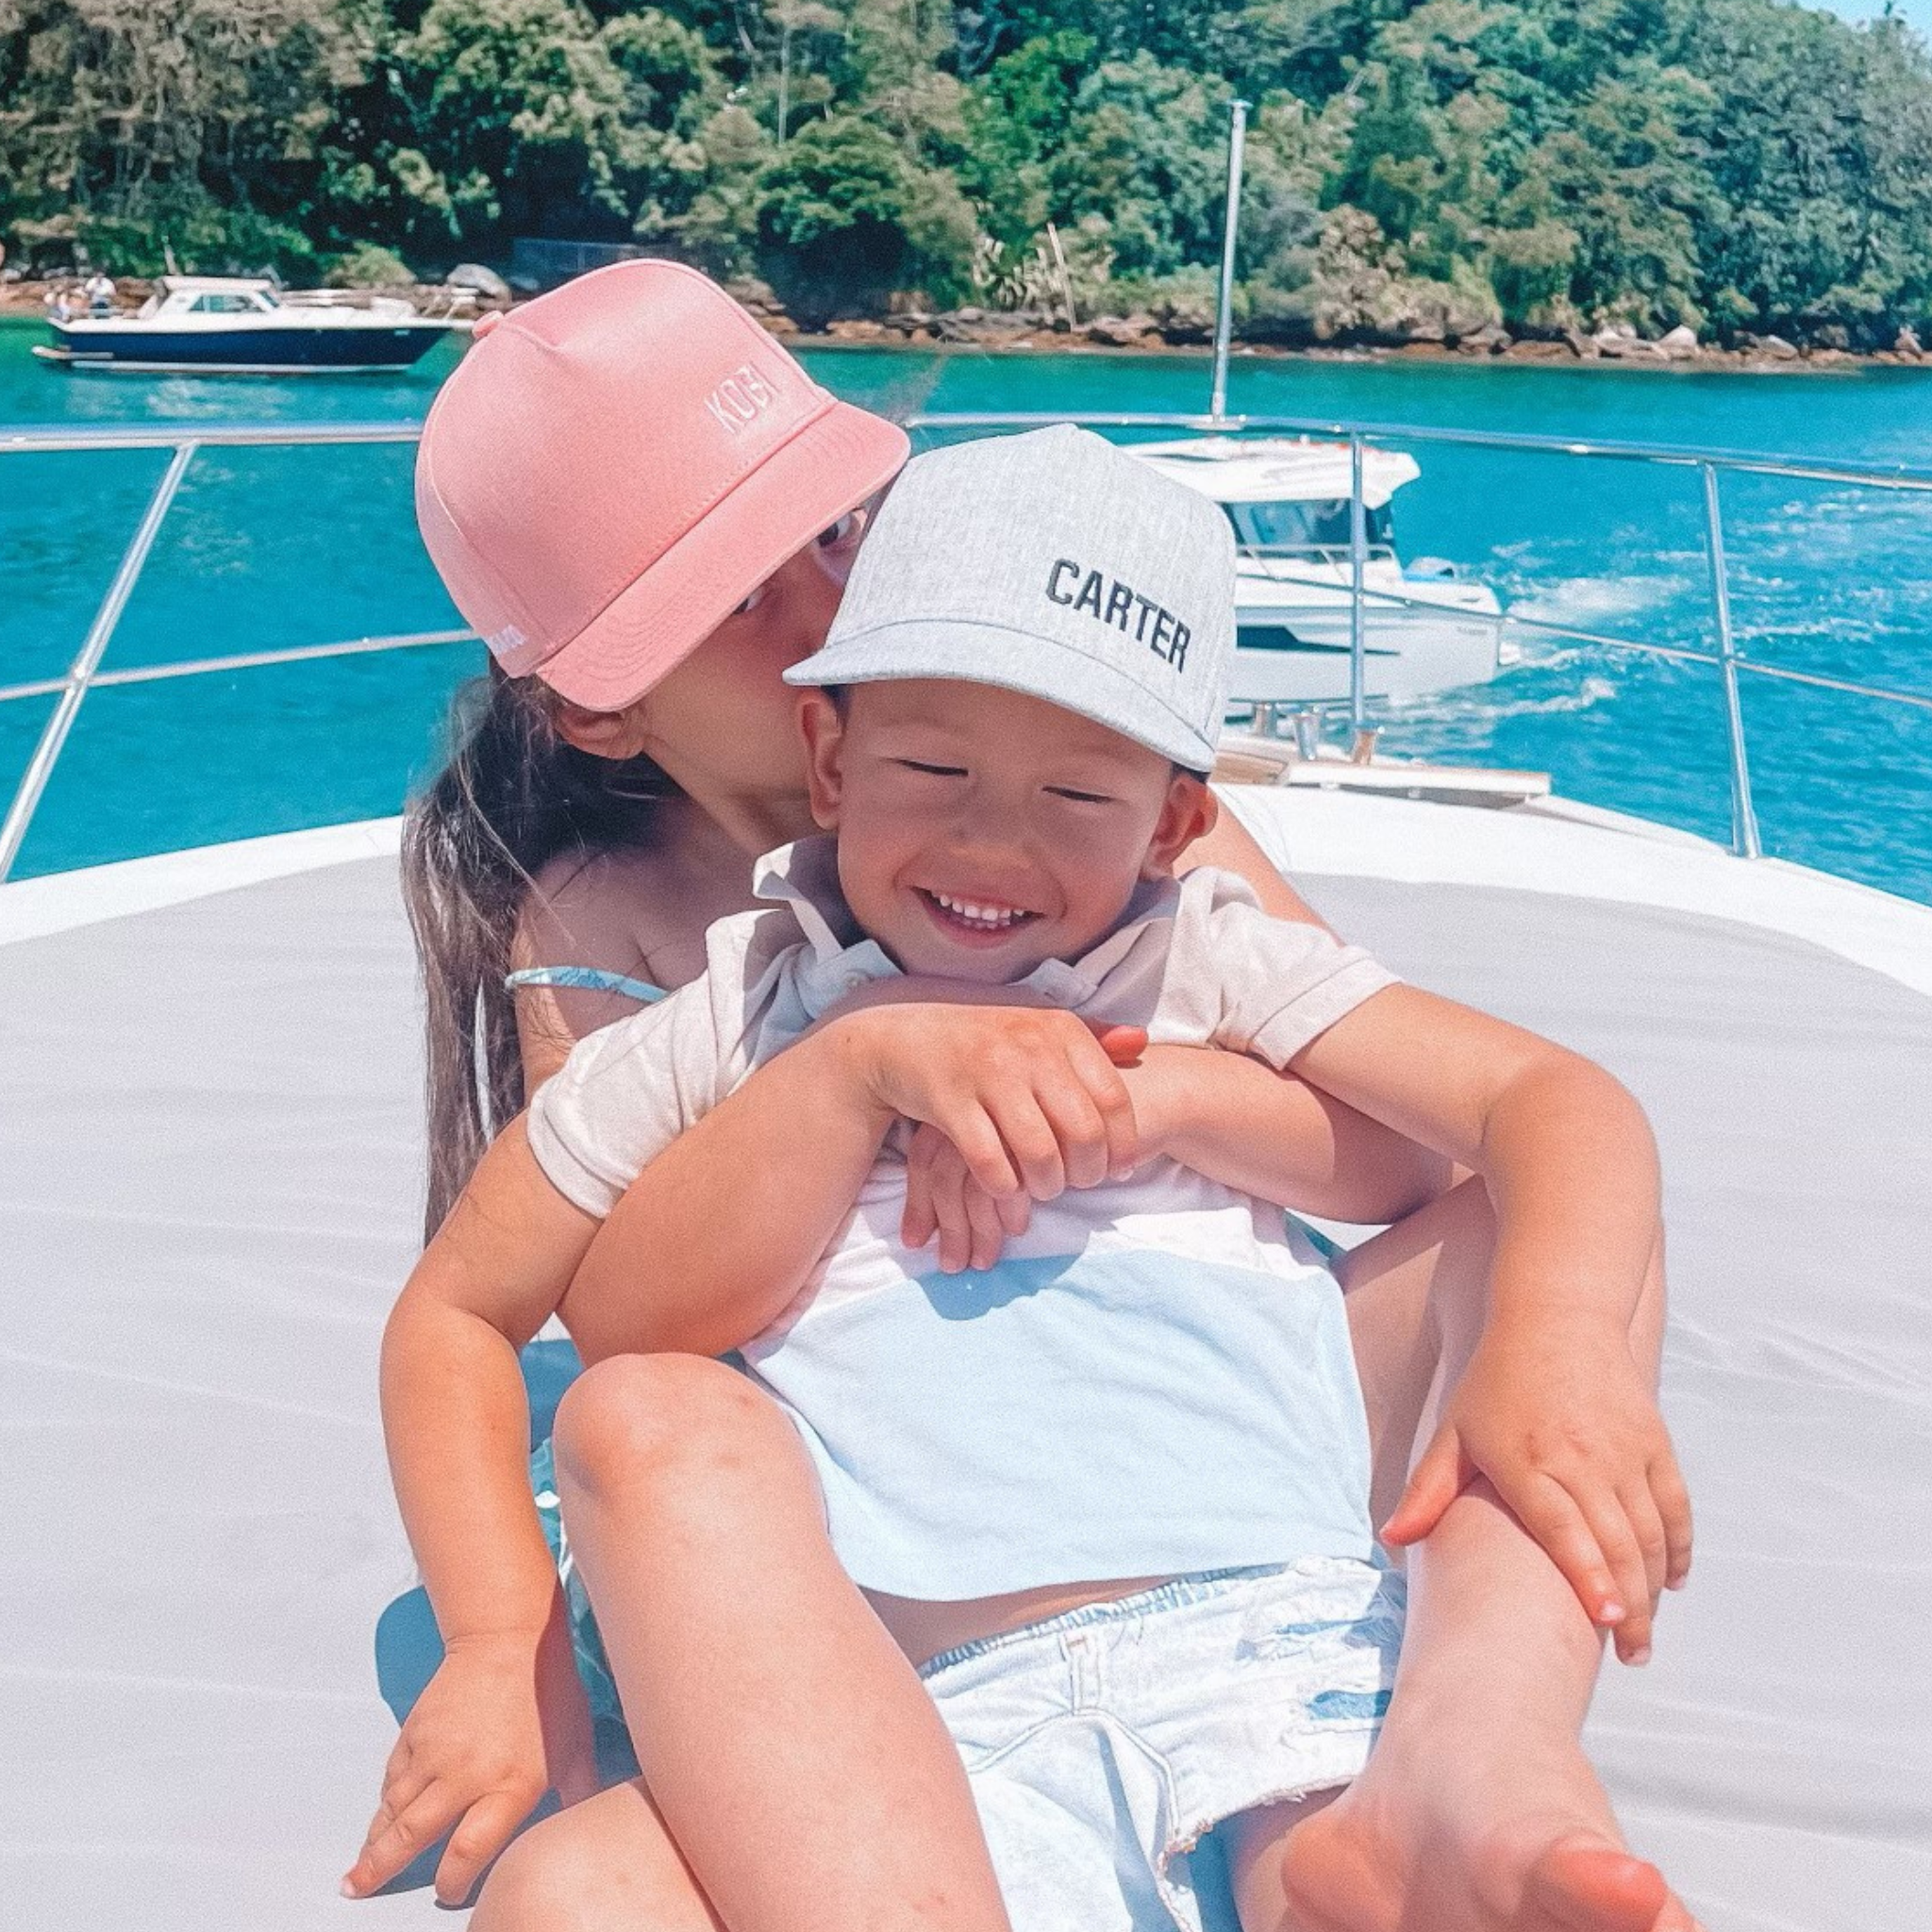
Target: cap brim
(974,653)
(831,466)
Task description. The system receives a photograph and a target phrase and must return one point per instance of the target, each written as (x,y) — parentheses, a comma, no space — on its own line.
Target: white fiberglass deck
(208,1173)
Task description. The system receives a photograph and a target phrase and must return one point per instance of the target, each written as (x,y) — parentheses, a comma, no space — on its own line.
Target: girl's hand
(502,1722)
(1561,1424)
(943,1199)
(1029,1096)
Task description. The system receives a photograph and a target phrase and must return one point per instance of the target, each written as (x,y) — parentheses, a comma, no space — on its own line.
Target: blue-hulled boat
(230,325)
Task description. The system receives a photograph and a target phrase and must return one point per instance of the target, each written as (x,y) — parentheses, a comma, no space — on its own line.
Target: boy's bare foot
(1415,1853)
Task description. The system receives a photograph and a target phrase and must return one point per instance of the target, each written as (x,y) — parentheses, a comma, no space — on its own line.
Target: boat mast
(1223,311)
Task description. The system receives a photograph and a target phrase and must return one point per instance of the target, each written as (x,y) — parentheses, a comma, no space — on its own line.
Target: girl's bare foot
(1421,1851)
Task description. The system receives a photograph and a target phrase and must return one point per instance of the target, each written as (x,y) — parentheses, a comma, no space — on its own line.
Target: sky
(1918,11)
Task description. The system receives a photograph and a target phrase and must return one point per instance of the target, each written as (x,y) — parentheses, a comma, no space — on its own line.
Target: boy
(1113,1494)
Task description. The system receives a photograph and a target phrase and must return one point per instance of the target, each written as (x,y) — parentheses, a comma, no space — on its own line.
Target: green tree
(1016,120)
(515,109)
(846,217)
(1412,164)
(1145,159)
(200,124)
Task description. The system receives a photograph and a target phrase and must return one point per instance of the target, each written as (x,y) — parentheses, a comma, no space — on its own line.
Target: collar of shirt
(838,958)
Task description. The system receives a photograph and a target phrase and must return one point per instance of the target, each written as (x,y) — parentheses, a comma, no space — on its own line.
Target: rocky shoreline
(1144,334)
(1679,349)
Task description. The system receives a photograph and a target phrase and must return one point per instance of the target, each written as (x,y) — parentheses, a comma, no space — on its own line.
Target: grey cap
(1054,564)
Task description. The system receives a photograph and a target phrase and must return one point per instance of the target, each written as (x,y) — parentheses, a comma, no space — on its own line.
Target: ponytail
(513,796)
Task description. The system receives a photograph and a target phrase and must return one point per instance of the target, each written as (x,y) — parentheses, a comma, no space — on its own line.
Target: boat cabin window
(227,304)
(1322,524)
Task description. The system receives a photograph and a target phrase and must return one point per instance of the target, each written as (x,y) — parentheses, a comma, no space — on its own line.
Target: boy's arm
(718,1232)
(1221,1113)
(504,1718)
(1274,1135)
(1552,1407)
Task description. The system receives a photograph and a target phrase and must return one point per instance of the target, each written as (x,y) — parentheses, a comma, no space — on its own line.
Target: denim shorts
(1103,1744)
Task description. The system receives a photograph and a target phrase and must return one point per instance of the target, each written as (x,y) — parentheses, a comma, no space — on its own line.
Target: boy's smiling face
(982,832)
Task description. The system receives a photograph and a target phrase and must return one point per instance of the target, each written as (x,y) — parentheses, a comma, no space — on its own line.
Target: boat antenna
(1230,230)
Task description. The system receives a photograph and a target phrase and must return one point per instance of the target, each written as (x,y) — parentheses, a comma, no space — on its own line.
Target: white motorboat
(1425,627)
(204,325)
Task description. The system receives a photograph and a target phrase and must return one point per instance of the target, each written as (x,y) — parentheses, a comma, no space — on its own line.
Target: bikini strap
(585,979)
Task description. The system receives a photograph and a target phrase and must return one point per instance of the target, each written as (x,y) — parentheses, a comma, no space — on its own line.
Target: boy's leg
(1254,1842)
(1478,1808)
(792,1753)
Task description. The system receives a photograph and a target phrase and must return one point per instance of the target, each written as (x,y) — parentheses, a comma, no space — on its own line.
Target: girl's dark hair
(513,796)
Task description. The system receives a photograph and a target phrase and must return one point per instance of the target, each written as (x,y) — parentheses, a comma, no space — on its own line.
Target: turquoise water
(269,548)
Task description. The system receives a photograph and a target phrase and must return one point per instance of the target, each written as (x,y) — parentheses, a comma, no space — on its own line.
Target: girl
(652,754)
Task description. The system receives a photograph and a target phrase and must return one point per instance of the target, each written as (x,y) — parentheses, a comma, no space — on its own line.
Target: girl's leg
(606,1865)
(790,1751)
(1478,1809)
(1581,1899)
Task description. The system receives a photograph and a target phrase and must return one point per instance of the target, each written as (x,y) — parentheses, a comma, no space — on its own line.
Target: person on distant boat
(61,303)
(99,292)
(637,815)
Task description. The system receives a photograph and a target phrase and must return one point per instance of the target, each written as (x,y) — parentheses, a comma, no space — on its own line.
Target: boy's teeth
(978,915)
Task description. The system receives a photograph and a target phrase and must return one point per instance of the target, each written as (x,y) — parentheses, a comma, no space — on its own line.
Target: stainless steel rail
(183,444)
(34,441)
(80,674)
(1709,464)
(246,661)
(1878,476)
(84,674)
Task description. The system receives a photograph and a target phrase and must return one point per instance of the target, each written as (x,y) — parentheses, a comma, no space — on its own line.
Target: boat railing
(1328,555)
(85,674)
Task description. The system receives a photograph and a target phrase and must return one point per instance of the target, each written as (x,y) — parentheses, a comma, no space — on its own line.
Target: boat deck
(208,1184)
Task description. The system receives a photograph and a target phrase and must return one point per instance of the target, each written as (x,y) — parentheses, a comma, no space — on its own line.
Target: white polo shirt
(1155,1379)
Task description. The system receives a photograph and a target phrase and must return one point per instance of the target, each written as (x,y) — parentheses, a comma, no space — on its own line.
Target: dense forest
(1412,165)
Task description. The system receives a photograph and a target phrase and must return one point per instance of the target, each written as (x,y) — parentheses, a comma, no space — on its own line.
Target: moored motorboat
(242,326)
(1426,628)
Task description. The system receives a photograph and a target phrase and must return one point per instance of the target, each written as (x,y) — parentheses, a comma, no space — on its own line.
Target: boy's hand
(944,1198)
(1028,1095)
(1560,1422)
(500,1723)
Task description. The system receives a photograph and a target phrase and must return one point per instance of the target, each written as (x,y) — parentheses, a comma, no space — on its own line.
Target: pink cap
(614,468)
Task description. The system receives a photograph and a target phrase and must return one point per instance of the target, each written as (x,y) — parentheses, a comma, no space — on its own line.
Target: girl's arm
(595,912)
(505,1718)
(1552,1407)
(1231,846)
(1564,1148)
(450,1376)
